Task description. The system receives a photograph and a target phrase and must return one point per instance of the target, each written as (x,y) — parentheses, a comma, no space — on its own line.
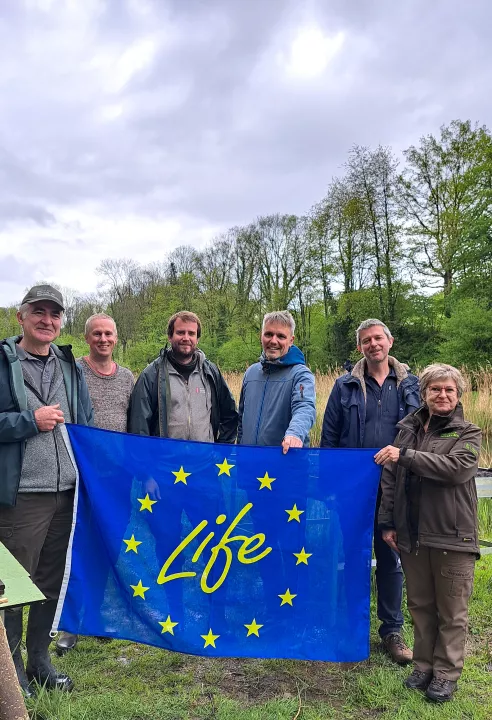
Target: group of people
(426,515)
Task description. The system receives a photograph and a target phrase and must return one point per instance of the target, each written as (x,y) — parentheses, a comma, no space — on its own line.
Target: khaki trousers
(439,585)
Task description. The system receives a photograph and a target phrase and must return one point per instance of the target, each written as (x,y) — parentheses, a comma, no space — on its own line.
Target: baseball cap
(43,292)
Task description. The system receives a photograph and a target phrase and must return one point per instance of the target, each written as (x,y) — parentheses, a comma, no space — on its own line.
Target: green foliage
(468,335)
(238,354)
(8,322)
(138,355)
(79,345)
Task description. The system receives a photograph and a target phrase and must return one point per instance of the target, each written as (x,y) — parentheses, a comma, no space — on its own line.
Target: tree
(373,182)
(446,201)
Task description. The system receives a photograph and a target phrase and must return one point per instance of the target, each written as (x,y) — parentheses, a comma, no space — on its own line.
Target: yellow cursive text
(249,545)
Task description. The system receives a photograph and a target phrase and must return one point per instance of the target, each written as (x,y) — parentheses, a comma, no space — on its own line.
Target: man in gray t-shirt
(110,387)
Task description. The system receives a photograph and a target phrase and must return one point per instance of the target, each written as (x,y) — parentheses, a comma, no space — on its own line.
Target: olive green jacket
(445,459)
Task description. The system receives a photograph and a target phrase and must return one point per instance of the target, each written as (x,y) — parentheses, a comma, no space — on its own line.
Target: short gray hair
(282,317)
(97,316)
(23,310)
(440,371)
(372,322)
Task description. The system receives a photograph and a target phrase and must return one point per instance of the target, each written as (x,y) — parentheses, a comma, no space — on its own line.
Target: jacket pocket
(437,514)
(458,579)
(6,531)
(466,512)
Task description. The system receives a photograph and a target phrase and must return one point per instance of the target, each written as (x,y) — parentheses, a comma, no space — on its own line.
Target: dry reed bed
(477,403)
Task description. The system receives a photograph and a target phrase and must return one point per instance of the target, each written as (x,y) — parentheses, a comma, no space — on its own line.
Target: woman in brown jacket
(429,515)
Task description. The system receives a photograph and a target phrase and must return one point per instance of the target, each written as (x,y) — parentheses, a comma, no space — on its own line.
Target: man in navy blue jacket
(362,411)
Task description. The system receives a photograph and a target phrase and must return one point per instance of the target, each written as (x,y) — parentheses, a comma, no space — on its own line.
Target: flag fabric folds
(221,550)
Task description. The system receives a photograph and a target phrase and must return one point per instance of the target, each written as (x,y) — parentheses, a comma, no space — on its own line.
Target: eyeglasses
(435,390)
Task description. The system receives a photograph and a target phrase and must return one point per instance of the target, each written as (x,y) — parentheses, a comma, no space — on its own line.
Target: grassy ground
(122,681)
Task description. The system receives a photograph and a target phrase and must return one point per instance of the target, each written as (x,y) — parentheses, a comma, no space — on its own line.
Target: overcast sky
(129,127)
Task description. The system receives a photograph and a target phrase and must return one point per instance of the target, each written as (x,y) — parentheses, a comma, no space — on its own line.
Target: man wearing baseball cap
(41,388)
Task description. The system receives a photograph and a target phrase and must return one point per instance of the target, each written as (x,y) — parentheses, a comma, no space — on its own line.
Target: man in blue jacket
(362,411)
(278,402)
(40,388)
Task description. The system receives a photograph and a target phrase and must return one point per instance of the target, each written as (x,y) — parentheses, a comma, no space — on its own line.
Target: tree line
(408,242)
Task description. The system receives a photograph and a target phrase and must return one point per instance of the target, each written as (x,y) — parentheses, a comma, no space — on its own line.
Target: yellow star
(210,638)
(302,557)
(224,467)
(253,628)
(294,514)
(266,482)
(139,590)
(287,598)
(132,544)
(181,475)
(168,625)
(146,503)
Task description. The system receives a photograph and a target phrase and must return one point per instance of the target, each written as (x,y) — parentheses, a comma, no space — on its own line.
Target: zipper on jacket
(261,407)
(188,400)
(58,472)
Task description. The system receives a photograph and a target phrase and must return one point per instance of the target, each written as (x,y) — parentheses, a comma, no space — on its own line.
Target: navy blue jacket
(17,423)
(344,420)
(277,399)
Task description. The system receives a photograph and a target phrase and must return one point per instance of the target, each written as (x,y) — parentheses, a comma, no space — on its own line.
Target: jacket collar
(294,356)
(63,352)
(201,357)
(417,419)
(360,368)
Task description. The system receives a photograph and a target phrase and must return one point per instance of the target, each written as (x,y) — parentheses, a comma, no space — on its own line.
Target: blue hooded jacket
(277,399)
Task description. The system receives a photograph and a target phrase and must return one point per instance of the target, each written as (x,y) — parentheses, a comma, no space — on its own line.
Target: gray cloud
(184,112)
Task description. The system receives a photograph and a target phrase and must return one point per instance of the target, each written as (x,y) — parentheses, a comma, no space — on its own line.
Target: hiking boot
(65,642)
(441,690)
(396,648)
(418,679)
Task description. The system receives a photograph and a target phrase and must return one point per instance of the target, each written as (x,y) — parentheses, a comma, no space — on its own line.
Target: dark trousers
(439,585)
(37,531)
(389,582)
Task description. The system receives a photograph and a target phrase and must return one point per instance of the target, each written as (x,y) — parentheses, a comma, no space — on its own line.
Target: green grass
(124,681)
(485,518)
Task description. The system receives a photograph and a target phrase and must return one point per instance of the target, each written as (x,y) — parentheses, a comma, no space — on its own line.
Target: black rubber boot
(65,642)
(13,628)
(39,667)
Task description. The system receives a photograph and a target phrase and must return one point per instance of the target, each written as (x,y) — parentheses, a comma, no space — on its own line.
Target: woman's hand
(391,538)
(388,454)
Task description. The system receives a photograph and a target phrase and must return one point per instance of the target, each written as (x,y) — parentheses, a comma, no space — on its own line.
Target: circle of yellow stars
(287,597)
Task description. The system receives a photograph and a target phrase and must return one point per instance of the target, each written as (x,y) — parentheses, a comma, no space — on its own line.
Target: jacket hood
(293,357)
(359,369)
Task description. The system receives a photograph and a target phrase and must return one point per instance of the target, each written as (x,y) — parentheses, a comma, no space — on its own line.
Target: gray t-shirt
(110,395)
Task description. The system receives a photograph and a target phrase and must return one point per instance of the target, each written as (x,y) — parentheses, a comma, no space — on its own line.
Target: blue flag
(221,550)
